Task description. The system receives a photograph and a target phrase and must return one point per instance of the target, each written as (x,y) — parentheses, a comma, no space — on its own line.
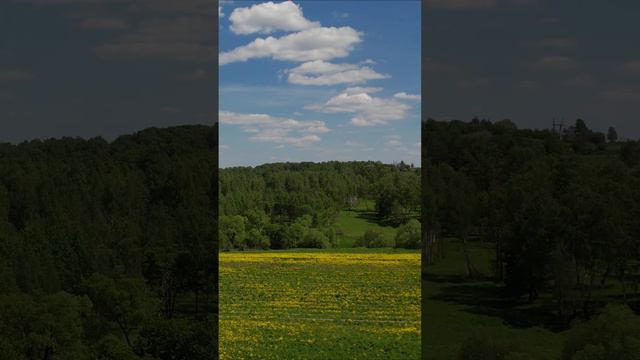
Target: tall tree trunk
(499,260)
(471,271)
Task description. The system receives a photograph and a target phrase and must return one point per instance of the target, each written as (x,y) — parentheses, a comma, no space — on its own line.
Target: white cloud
(277,130)
(393,141)
(322,43)
(320,72)
(339,15)
(368,110)
(268,17)
(405,96)
(361,90)
(220,13)
(351,143)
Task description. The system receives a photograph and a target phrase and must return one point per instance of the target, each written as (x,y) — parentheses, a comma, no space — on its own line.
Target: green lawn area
(353,223)
(455,308)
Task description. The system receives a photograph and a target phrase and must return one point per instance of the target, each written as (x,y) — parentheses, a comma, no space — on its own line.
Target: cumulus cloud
(394,141)
(320,72)
(404,96)
(277,130)
(220,13)
(323,43)
(368,110)
(268,17)
(360,90)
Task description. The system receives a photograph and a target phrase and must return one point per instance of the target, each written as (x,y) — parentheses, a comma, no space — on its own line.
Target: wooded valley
(108,250)
(295,205)
(538,228)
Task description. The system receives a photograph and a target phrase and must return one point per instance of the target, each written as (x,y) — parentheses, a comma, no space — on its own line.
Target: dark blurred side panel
(531,180)
(108,179)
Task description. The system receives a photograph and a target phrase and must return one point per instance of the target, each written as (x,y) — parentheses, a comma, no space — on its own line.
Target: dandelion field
(320,304)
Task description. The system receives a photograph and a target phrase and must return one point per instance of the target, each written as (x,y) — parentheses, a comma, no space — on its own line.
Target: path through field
(340,304)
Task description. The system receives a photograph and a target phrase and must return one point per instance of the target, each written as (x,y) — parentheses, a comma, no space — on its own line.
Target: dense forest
(295,205)
(108,250)
(561,210)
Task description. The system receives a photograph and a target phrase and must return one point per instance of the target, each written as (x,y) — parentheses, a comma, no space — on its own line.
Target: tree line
(295,205)
(108,249)
(561,208)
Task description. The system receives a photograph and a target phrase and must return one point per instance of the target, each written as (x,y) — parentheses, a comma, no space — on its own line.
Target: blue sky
(319,81)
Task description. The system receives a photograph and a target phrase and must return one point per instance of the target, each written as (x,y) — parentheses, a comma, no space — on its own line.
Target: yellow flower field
(320,305)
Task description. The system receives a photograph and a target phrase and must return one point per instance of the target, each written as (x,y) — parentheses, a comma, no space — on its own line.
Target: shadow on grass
(370,217)
(484,297)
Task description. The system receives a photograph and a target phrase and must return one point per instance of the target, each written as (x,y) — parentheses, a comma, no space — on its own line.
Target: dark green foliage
(98,239)
(314,238)
(630,153)
(409,235)
(179,339)
(374,238)
(615,334)
(43,327)
(612,134)
(481,346)
(293,205)
(561,210)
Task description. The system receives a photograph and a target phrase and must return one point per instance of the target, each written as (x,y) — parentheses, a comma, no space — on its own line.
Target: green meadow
(352,223)
(457,308)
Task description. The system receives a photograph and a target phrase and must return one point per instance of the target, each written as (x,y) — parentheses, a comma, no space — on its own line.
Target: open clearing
(456,307)
(353,223)
(320,304)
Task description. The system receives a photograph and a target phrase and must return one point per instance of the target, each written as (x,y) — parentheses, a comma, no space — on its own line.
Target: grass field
(455,308)
(320,304)
(353,223)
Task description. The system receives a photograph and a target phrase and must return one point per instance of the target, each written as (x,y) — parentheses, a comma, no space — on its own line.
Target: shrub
(374,239)
(615,334)
(314,238)
(409,235)
(481,346)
